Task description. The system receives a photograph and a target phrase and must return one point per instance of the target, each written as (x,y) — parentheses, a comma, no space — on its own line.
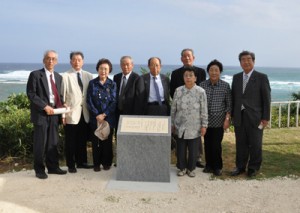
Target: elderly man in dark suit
(251,98)
(126,86)
(153,91)
(43,88)
(187,58)
(126,89)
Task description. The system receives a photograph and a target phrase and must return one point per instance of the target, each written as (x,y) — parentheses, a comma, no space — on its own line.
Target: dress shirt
(75,73)
(189,111)
(152,93)
(249,74)
(51,95)
(218,101)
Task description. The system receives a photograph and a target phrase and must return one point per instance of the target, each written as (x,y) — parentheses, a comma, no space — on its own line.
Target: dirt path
(86,191)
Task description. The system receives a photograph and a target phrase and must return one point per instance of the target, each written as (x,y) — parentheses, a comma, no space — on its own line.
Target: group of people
(198,108)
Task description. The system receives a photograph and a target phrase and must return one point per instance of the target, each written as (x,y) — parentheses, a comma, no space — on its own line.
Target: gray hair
(187,49)
(50,51)
(126,57)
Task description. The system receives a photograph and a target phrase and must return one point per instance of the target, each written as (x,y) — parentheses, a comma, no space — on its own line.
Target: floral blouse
(189,111)
(102,99)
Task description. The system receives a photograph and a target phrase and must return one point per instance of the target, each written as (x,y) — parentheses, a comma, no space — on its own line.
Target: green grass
(281,153)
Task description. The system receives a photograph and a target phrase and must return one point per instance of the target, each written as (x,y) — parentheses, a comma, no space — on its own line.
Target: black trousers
(45,140)
(160,110)
(76,136)
(213,147)
(187,152)
(102,150)
(248,144)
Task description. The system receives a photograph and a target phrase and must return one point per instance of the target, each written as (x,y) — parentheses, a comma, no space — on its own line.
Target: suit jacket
(38,94)
(177,78)
(128,107)
(73,97)
(256,98)
(143,91)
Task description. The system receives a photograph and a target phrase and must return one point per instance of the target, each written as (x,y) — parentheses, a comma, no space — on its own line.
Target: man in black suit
(126,85)
(153,91)
(126,89)
(43,91)
(251,98)
(187,58)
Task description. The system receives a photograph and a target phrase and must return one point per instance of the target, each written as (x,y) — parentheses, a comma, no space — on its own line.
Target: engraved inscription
(144,125)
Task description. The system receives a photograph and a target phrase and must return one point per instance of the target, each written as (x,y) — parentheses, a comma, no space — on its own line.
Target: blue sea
(284,81)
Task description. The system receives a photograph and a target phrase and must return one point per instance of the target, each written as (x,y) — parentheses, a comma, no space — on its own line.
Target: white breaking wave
(21,77)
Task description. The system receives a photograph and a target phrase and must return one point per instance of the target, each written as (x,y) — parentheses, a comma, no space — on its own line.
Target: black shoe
(72,170)
(57,171)
(217,172)
(199,164)
(207,170)
(106,167)
(41,175)
(252,173)
(97,168)
(237,172)
(84,166)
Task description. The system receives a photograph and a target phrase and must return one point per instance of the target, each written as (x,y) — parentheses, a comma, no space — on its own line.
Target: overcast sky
(218,29)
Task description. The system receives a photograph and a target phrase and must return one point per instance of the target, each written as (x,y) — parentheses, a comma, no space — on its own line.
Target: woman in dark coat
(101,101)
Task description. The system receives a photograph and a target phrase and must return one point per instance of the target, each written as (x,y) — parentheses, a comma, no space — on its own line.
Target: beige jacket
(73,97)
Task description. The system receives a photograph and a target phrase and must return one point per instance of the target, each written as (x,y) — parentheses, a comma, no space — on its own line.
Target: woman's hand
(226,123)
(101,117)
(203,131)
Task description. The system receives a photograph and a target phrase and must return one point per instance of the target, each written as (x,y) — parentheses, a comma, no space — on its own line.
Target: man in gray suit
(251,98)
(153,91)
(74,88)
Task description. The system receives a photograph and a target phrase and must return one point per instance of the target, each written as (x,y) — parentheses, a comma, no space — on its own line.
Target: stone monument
(144,148)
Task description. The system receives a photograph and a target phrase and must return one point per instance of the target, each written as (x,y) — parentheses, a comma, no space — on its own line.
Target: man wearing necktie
(126,93)
(251,98)
(74,89)
(43,91)
(153,91)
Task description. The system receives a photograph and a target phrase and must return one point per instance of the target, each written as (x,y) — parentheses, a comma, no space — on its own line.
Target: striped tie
(245,81)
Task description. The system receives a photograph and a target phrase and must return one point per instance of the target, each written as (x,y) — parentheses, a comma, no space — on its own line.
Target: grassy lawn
(281,153)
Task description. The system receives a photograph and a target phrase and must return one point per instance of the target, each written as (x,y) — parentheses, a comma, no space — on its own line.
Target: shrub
(15,133)
(16,130)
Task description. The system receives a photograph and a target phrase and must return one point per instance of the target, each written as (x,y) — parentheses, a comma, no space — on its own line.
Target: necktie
(124,82)
(79,82)
(156,91)
(121,93)
(55,93)
(245,81)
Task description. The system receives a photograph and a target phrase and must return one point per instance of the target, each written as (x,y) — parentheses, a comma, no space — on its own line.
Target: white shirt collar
(249,74)
(126,76)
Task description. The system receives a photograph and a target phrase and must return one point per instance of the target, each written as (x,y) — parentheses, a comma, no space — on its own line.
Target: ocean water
(284,81)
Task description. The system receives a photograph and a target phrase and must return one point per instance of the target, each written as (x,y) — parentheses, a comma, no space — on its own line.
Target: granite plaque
(144,148)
